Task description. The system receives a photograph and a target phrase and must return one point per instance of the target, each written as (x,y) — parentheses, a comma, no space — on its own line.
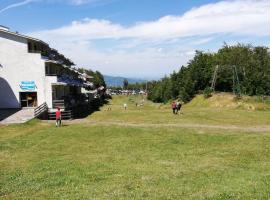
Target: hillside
(114,81)
(227,100)
(140,153)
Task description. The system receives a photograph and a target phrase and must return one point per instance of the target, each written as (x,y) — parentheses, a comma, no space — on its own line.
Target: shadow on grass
(84,111)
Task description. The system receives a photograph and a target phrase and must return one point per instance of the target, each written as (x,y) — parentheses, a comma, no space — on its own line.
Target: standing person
(174,107)
(178,107)
(125,106)
(58,117)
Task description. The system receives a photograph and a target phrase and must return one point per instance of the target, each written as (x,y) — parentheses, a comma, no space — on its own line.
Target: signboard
(28,85)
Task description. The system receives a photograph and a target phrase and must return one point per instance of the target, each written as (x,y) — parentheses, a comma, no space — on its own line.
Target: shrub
(207,92)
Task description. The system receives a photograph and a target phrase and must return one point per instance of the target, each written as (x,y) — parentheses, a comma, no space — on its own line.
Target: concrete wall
(48,86)
(17,65)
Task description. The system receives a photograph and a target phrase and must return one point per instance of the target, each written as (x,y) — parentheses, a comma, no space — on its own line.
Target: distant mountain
(114,81)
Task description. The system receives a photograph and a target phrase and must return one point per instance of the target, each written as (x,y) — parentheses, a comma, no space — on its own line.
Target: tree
(125,84)
(250,64)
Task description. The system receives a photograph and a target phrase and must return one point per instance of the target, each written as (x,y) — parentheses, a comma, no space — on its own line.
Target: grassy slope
(197,112)
(226,100)
(39,161)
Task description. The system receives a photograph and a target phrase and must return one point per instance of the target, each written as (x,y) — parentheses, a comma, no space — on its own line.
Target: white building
(32,73)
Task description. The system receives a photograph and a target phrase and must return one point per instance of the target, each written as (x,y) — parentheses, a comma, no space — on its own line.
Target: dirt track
(251,129)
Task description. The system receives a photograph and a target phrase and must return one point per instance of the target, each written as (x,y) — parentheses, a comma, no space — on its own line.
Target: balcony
(69,80)
(34,51)
(56,59)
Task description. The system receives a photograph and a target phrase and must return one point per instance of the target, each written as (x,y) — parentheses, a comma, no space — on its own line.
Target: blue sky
(138,38)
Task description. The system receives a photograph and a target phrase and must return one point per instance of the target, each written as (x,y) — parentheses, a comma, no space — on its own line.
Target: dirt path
(253,129)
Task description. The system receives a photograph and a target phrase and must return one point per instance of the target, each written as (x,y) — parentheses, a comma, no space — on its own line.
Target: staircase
(41,111)
(21,116)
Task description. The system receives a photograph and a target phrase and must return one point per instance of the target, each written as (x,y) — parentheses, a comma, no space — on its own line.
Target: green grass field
(140,153)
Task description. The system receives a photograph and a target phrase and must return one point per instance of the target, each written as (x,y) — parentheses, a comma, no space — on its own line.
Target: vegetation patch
(226,100)
(239,69)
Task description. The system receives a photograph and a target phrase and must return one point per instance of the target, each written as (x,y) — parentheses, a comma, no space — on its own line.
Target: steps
(16,116)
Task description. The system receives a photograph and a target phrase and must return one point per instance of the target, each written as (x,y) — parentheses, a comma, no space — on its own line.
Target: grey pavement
(15,116)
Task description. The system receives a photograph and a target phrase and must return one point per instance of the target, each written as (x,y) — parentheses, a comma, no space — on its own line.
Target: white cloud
(149,63)
(22,3)
(81,2)
(72,2)
(202,41)
(237,17)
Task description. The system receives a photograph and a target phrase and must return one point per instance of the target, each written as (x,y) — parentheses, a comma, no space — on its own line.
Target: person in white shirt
(125,106)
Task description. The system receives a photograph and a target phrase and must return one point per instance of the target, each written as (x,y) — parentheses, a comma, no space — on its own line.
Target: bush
(207,92)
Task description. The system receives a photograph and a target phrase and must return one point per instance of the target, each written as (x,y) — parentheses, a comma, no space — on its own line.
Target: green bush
(207,92)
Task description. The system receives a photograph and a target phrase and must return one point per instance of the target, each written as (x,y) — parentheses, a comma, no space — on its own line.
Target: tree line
(250,64)
(131,86)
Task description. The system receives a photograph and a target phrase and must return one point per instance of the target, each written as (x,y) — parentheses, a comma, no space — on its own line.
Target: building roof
(6,30)
(4,27)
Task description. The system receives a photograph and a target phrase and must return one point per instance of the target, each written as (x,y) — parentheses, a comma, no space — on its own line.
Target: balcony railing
(59,104)
(34,51)
(70,80)
(57,59)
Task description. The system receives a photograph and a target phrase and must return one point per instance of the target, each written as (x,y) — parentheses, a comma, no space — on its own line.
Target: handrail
(40,109)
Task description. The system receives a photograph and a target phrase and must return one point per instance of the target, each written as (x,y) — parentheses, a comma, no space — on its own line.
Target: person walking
(178,107)
(125,106)
(174,107)
(58,118)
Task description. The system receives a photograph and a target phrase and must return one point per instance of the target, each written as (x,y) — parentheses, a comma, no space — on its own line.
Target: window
(28,99)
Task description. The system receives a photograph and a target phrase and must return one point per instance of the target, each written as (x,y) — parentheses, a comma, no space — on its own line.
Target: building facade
(32,73)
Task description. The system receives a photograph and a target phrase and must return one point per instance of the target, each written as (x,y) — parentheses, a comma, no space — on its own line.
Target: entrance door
(28,99)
